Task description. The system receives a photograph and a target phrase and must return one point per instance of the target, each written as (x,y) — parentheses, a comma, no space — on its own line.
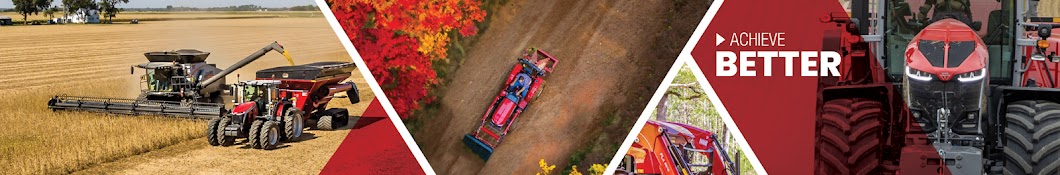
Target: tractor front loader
(668,148)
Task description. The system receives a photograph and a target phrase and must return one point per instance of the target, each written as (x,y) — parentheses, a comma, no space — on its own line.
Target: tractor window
(959,51)
(934,51)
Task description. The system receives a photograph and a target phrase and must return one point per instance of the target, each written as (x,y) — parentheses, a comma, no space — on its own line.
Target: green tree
(28,7)
(109,8)
(50,13)
(72,6)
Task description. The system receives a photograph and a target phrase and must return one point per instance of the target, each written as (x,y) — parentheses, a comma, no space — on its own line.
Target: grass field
(42,61)
(159,16)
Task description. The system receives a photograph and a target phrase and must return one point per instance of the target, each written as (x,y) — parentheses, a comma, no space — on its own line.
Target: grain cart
(943,93)
(669,148)
(276,105)
(522,86)
(175,83)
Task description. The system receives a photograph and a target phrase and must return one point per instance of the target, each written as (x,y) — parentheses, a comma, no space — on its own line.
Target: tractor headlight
(972,76)
(917,74)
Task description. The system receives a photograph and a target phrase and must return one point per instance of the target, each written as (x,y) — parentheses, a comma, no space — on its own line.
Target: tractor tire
(325,122)
(223,139)
(848,137)
(293,124)
(211,132)
(255,134)
(1032,136)
(270,135)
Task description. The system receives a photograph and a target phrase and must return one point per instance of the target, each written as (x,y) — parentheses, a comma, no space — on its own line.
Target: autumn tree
(398,41)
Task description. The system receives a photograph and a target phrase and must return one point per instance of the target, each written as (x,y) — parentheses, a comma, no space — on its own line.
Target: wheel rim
(298,125)
(273,136)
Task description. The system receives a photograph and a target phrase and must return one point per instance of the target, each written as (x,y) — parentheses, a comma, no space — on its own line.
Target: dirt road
(606,65)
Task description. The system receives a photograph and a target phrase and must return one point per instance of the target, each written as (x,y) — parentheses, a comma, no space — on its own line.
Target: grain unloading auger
(176,83)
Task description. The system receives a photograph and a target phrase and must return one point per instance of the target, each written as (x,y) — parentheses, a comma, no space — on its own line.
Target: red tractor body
(667,148)
(520,88)
(284,99)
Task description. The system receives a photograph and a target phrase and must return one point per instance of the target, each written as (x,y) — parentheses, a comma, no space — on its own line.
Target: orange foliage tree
(399,39)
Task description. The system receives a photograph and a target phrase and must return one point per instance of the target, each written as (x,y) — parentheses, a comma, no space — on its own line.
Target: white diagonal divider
(383,100)
(686,58)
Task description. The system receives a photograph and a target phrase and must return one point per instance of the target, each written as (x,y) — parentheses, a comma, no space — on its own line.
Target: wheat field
(36,140)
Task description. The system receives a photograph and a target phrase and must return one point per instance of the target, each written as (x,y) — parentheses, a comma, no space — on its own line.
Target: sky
(193,3)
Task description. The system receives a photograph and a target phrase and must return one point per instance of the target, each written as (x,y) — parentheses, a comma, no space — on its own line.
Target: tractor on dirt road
(522,87)
(176,83)
(669,148)
(276,105)
(942,94)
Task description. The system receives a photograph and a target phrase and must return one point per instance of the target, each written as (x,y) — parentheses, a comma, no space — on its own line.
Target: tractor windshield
(158,80)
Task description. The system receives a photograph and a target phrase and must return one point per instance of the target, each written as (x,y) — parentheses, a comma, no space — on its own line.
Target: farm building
(5,21)
(81,16)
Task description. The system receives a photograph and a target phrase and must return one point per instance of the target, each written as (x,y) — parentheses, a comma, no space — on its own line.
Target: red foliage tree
(399,39)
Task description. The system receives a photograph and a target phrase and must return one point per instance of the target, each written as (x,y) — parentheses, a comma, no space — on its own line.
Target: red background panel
(775,114)
(373,146)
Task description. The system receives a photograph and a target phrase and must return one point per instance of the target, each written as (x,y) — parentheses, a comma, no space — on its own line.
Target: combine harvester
(667,148)
(522,86)
(276,105)
(178,83)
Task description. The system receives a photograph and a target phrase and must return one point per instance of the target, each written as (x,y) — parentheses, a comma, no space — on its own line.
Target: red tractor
(669,148)
(276,105)
(942,94)
(522,86)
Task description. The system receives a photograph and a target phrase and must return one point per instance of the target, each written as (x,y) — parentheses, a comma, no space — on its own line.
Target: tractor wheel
(223,139)
(293,124)
(270,135)
(255,134)
(1033,138)
(211,132)
(848,137)
(325,122)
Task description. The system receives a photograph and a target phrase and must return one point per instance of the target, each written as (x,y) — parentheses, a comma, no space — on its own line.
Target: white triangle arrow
(718,39)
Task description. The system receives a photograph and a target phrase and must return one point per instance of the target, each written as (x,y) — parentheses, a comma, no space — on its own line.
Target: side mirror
(1045,31)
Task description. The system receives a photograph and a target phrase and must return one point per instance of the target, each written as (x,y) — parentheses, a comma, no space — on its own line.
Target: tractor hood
(504,109)
(243,108)
(946,49)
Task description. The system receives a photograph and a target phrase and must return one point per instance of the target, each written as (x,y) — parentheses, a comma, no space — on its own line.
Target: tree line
(107,8)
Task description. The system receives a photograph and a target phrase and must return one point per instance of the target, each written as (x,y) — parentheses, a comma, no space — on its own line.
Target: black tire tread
(255,134)
(265,134)
(849,136)
(325,123)
(211,132)
(1032,135)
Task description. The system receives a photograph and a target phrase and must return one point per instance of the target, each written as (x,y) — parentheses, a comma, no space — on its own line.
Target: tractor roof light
(917,74)
(972,76)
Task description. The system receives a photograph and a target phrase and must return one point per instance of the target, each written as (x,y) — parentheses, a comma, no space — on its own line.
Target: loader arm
(250,58)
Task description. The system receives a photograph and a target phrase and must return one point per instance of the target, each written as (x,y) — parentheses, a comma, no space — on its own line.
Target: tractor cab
(250,97)
(172,75)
